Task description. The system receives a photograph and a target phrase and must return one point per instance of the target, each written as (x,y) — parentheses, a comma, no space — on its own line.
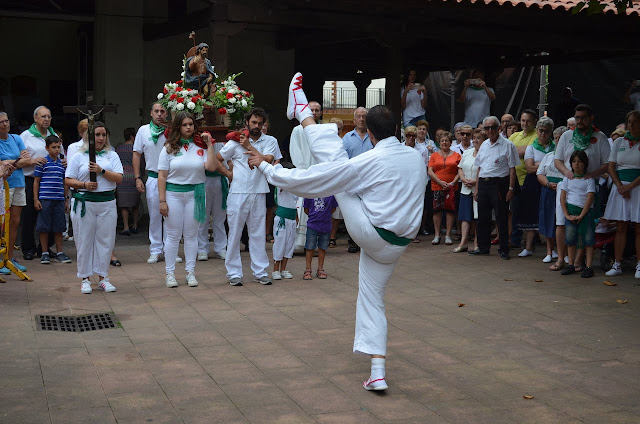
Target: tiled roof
(567,5)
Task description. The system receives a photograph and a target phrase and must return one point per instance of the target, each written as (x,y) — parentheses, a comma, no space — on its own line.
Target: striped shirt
(51,179)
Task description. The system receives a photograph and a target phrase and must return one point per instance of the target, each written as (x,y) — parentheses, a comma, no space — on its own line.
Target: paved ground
(282,353)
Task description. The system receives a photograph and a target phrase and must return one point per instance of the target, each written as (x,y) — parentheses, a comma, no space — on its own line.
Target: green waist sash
(554,179)
(628,175)
(585,225)
(392,238)
(285,213)
(90,196)
(152,174)
(224,183)
(199,196)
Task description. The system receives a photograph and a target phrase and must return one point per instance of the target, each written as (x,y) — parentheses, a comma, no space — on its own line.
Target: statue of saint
(199,72)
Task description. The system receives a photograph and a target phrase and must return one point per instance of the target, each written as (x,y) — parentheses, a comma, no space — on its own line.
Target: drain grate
(75,323)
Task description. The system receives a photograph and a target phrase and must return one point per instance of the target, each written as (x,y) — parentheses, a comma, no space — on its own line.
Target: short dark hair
(129,132)
(256,111)
(580,154)
(530,112)
(51,139)
(381,122)
(584,108)
(321,108)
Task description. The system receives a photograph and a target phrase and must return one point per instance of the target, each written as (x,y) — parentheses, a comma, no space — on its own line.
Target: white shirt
(286,199)
(413,107)
(495,160)
(78,168)
(461,149)
(185,166)
(469,169)
(246,180)
(36,147)
(635,99)
(598,153)
(390,179)
(535,154)
(73,148)
(477,106)
(144,144)
(424,151)
(548,167)
(624,156)
(577,190)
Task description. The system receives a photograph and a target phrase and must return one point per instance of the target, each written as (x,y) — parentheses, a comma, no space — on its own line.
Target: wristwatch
(510,188)
(103,171)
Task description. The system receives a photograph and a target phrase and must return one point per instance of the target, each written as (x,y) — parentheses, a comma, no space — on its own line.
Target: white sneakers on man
(616,269)
(298,105)
(191,280)
(526,253)
(378,384)
(157,257)
(105,285)
(203,256)
(637,275)
(171,281)
(86,286)
(286,274)
(222,255)
(275,275)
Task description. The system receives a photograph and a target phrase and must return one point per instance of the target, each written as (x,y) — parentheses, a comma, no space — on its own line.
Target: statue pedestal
(212,124)
(218,132)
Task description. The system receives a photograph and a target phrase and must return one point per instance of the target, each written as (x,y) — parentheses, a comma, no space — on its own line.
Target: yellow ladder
(4,241)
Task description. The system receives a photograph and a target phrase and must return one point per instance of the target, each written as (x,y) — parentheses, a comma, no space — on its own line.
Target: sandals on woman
(332,242)
(116,262)
(557,266)
(321,274)
(307,275)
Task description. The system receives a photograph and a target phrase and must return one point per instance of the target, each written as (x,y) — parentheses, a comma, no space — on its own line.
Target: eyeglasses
(491,127)
(468,134)
(581,118)
(4,121)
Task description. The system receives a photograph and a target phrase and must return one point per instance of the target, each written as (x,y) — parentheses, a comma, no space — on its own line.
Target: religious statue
(198,72)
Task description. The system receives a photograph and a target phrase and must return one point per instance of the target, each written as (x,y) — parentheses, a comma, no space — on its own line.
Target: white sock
(306,113)
(377,368)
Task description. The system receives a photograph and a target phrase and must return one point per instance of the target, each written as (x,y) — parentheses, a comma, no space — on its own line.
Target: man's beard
(256,132)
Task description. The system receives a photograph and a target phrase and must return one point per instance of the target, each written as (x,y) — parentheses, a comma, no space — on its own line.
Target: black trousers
(492,195)
(427,214)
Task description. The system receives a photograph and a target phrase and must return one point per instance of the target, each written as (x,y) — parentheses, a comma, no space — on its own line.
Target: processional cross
(88,111)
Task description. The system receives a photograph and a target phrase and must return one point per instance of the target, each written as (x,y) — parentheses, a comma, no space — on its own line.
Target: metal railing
(347,98)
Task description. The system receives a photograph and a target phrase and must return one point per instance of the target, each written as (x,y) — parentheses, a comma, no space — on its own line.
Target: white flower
(160,96)
(172,104)
(230,110)
(191,105)
(232,100)
(233,91)
(243,103)
(180,106)
(184,93)
(182,74)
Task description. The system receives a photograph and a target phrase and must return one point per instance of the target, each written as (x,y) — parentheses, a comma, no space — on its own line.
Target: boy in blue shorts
(50,197)
(318,231)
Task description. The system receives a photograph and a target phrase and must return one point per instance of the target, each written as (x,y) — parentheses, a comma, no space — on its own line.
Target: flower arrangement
(230,100)
(175,98)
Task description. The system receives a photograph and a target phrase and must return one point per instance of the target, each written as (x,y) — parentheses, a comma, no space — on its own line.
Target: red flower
(246,93)
(173,96)
(196,98)
(179,82)
(229,96)
(238,96)
(200,152)
(164,90)
(222,111)
(180,99)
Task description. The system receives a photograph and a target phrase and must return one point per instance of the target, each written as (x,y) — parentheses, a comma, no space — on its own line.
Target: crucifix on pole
(88,111)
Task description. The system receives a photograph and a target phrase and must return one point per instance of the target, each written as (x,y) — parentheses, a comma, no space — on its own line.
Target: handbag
(450,200)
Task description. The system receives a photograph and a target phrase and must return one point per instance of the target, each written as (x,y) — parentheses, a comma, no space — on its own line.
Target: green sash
(392,238)
(34,130)
(285,213)
(628,174)
(199,195)
(90,196)
(550,147)
(554,179)
(584,225)
(224,183)
(152,174)
(579,141)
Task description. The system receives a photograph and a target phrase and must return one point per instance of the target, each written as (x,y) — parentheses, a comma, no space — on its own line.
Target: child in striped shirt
(50,198)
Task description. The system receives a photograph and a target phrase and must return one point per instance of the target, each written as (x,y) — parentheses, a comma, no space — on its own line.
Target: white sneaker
(203,256)
(379,384)
(566,259)
(436,240)
(178,260)
(276,275)
(447,240)
(637,275)
(191,280)
(547,259)
(154,258)
(525,253)
(222,255)
(86,286)
(554,254)
(106,286)
(616,269)
(286,274)
(298,105)
(171,281)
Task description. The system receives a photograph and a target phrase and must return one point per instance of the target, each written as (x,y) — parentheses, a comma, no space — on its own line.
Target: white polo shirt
(597,152)
(495,160)
(625,156)
(144,144)
(78,168)
(36,147)
(184,167)
(246,180)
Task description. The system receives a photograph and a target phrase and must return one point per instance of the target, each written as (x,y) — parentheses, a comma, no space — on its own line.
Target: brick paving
(282,353)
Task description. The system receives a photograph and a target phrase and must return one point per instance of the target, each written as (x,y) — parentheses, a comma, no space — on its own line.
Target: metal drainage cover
(75,323)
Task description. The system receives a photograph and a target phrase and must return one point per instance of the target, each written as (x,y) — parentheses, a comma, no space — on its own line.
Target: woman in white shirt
(413,99)
(181,178)
(468,208)
(94,213)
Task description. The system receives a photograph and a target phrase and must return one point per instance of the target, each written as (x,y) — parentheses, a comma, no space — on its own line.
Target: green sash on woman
(90,196)
(554,179)
(224,183)
(199,196)
(628,175)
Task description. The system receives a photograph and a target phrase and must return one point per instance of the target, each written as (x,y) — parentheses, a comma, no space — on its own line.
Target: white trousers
(284,239)
(213,188)
(94,236)
(378,258)
(249,208)
(180,223)
(155,219)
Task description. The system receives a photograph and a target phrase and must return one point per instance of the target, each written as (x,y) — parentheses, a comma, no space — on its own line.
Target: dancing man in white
(381,196)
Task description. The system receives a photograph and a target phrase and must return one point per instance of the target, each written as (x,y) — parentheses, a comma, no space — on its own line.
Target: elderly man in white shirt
(395,181)
(496,161)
